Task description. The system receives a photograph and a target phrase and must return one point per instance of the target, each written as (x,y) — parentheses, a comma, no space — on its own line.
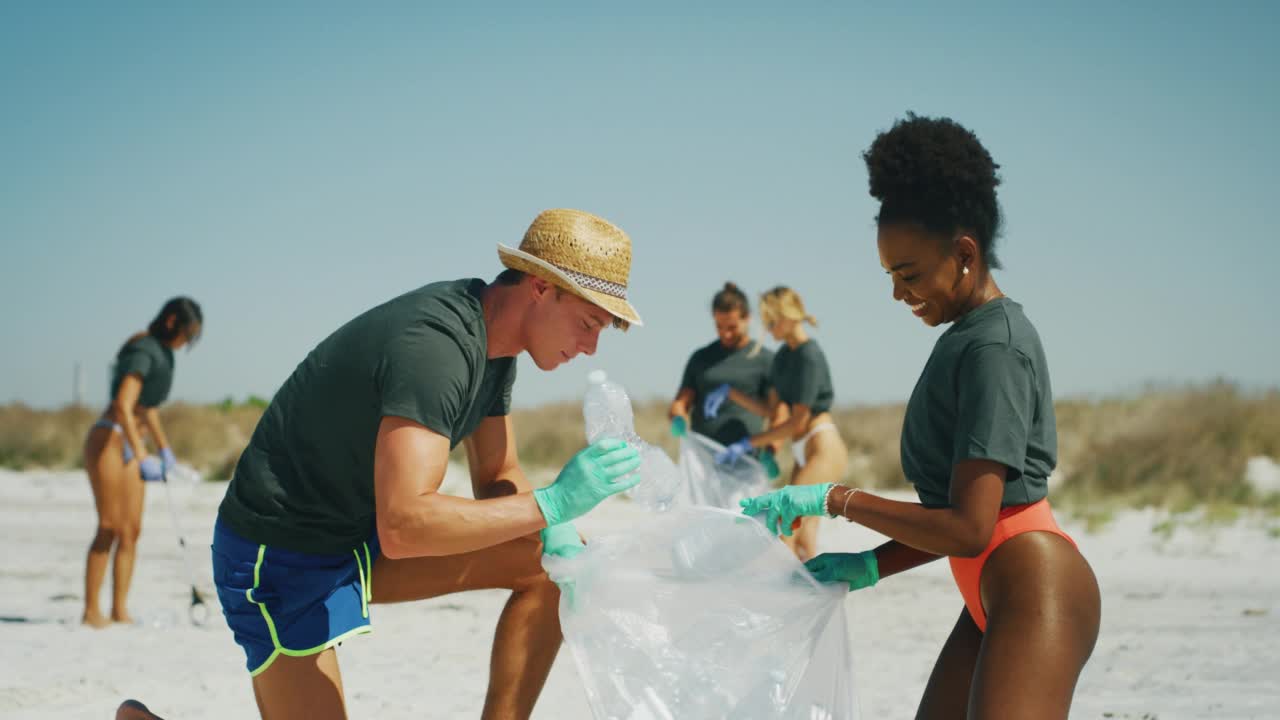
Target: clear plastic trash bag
(701,613)
(183,473)
(722,486)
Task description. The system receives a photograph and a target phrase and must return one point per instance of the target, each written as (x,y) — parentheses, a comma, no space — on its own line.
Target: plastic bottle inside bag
(606,411)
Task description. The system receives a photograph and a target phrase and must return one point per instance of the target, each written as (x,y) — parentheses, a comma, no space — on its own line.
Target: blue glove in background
(711,404)
(678,426)
(128,452)
(168,458)
(152,468)
(588,478)
(859,570)
(730,455)
(785,505)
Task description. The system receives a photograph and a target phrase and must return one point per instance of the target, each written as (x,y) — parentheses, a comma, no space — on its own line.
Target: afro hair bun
(935,172)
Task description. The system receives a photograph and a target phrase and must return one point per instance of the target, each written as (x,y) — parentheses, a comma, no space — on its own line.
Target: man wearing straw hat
(335,503)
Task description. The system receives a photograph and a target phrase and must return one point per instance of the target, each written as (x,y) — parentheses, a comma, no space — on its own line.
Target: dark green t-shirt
(150,359)
(745,369)
(802,377)
(305,482)
(984,394)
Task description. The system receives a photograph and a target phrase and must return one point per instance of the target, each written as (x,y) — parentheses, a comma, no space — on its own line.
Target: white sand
(1191,624)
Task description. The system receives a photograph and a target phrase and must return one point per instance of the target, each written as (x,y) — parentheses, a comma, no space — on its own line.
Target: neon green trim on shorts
(364,594)
(363,630)
(369,562)
(271,626)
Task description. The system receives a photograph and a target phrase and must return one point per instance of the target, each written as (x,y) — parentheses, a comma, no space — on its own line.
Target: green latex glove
(561,540)
(589,477)
(770,463)
(679,427)
(782,507)
(859,570)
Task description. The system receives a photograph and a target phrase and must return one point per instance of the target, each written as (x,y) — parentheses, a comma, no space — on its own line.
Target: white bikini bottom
(797,447)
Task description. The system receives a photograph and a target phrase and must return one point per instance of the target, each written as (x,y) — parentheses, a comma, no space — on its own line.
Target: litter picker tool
(198,611)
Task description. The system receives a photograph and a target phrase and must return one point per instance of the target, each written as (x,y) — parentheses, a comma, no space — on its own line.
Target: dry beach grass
(1171,448)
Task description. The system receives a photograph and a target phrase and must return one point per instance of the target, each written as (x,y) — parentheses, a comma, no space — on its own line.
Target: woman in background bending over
(116,458)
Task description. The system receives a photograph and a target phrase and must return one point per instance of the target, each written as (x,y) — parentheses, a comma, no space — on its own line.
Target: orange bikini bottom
(1014,520)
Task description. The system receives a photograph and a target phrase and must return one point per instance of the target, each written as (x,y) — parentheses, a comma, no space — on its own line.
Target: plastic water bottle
(606,411)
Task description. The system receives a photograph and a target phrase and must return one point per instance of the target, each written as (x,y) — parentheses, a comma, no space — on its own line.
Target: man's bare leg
(134,710)
(528,634)
(301,688)
(524,648)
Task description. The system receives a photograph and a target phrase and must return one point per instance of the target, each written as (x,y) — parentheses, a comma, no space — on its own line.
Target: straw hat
(581,253)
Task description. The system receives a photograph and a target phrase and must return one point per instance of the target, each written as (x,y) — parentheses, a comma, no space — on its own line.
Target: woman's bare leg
(301,688)
(105,466)
(132,494)
(826,459)
(1043,611)
(946,696)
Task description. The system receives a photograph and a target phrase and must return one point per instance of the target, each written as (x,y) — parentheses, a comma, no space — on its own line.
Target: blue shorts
(278,602)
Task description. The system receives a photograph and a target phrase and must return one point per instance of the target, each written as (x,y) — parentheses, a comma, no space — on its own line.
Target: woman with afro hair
(978,443)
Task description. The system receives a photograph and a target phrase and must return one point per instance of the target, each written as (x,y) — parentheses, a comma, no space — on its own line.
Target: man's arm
(495,472)
(491,457)
(414,519)
(753,405)
(686,394)
(784,431)
(683,401)
(780,413)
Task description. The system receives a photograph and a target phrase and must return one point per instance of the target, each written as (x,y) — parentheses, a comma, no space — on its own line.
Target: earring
(966,270)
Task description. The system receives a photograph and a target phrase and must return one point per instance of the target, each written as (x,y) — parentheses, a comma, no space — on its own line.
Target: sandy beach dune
(1191,623)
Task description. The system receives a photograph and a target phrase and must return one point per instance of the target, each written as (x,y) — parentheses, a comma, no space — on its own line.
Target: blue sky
(294,165)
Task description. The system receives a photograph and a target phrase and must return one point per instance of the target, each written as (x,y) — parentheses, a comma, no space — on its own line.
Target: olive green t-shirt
(746,369)
(802,377)
(983,394)
(151,360)
(305,482)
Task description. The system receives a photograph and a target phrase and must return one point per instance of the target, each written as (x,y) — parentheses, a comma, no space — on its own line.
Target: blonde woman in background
(802,379)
